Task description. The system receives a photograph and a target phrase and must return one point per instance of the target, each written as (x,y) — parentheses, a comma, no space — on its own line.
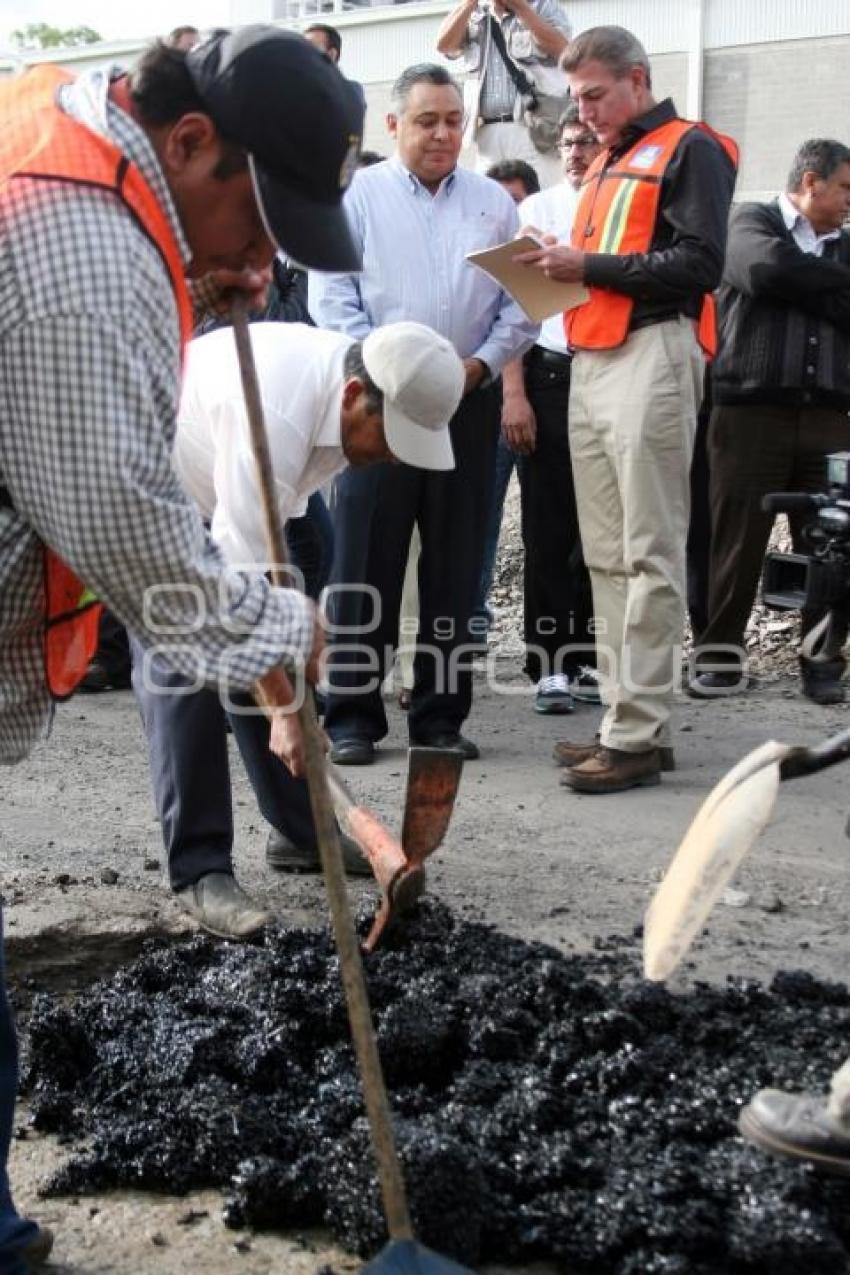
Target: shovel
(403,1255)
(724,829)
(433,776)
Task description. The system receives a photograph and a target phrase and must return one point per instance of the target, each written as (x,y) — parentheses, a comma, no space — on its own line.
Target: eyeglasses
(577,143)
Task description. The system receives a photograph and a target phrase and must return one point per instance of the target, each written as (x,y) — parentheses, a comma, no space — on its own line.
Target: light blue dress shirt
(414,246)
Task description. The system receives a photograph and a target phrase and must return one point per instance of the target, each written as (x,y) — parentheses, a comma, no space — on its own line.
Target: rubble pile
(547,1106)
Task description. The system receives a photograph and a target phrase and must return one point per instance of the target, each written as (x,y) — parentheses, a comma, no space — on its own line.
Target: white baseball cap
(422,381)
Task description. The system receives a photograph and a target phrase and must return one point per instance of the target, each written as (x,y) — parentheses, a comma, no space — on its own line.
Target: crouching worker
(328,402)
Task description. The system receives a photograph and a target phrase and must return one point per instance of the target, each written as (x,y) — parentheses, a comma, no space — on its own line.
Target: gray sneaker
(285,856)
(221,907)
(798,1126)
(585,687)
(553,695)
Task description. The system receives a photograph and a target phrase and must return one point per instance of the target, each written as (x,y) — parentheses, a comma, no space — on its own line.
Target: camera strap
(524,85)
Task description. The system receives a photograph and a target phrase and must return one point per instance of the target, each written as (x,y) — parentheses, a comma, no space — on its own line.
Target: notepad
(539,296)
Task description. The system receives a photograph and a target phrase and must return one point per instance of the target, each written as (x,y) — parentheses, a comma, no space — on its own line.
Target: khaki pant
(632,420)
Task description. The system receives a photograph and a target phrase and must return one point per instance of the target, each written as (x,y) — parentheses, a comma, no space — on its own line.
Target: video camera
(792,581)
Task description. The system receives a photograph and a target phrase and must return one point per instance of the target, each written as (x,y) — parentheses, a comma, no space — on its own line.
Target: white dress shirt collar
(803,232)
(416,185)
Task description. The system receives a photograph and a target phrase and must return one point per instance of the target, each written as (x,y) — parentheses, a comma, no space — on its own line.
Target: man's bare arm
(547,37)
(452,33)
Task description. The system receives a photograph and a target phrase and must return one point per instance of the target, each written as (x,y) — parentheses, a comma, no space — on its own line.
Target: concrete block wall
(772,97)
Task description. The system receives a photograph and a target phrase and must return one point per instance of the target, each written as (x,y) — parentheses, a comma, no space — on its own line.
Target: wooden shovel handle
(327,835)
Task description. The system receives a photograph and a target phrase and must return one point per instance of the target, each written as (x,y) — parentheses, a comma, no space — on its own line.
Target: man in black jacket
(782,394)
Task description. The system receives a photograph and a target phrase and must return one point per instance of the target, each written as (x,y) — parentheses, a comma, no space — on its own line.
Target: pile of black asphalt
(548,1106)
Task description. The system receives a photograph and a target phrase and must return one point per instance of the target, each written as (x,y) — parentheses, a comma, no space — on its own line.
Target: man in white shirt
(328,401)
(557,597)
(417,215)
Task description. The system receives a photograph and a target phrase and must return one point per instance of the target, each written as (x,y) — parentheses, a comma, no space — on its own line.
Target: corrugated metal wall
(731,22)
(379,39)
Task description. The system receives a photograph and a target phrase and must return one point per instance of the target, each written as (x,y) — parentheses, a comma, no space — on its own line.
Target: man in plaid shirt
(248,137)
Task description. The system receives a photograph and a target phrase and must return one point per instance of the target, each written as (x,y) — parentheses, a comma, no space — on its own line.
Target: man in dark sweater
(782,395)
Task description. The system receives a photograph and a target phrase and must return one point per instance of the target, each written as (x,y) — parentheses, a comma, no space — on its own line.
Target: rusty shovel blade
(433,778)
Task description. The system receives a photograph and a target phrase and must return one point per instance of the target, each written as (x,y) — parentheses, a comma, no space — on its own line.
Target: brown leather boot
(611,770)
(567,754)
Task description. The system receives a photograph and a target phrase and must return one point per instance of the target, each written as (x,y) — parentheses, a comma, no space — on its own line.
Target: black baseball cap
(301,122)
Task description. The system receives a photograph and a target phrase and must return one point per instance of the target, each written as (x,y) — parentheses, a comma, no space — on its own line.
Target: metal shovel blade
(409,1257)
(433,777)
(725,827)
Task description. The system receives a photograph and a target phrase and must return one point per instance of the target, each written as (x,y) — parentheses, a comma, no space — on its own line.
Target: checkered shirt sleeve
(89,372)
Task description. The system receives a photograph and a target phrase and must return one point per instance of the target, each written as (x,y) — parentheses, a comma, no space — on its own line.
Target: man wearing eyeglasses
(557,598)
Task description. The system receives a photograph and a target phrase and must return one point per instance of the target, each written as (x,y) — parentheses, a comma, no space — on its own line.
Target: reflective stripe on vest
(39,141)
(617,213)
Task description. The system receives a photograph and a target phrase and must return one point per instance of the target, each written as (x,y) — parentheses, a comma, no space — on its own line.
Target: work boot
(720,684)
(99,677)
(612,770)
(285,856)
(450,739)
(567,754)
(798,1126)
(352,750)
(221,907)
(822,682)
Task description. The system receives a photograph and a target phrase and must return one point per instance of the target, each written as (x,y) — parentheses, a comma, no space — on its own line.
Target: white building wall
(770,72)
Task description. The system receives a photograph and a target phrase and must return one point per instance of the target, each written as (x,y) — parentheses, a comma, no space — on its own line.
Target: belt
(549,358)
(496,119)
(648,320)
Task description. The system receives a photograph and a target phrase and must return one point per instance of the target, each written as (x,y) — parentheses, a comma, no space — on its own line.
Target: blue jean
(505,462)
(15,1231)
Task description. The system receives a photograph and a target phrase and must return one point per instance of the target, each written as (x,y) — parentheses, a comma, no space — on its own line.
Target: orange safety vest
(617,213)
(38,140)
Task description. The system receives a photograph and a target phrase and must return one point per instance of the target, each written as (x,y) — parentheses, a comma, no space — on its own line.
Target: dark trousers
(190,772)
(310,540)
(754,450)
(699,526)
(557,596)
(15,1231)
(187,744)
(375,511)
